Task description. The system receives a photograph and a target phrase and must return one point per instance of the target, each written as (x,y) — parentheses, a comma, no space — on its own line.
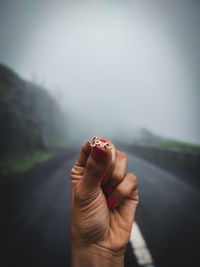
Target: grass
(12,166)
(182,146)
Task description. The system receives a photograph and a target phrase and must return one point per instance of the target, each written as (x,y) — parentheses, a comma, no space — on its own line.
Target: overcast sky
(114,65)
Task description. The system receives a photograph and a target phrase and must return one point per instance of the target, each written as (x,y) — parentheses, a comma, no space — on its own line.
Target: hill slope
(30,118)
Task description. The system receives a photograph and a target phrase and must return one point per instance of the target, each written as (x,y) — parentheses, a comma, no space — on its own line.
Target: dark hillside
(30,118)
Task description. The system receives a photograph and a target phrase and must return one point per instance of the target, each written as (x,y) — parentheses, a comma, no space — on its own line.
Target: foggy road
(35,217)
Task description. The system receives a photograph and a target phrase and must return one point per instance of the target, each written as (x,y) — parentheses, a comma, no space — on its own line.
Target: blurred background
(128,71)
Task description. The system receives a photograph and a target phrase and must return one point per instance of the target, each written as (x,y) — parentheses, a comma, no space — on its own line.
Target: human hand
(104,201)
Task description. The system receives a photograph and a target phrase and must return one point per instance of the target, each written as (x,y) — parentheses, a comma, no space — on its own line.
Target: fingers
(99,162)
(118,173)
(78,169)
(83,156)
(126,190)
(92,164)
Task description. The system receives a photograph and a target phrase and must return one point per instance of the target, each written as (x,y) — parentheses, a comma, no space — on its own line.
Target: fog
(114,66)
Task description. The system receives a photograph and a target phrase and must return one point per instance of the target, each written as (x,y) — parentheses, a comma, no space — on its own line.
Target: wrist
(95,256)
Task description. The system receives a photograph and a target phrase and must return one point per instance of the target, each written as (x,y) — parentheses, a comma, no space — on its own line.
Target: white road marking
(140,249)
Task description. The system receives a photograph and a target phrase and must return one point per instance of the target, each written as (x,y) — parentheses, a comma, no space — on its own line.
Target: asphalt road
(35,216)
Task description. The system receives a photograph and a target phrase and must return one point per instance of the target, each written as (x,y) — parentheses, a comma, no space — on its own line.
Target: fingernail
(99,153)
(103,180)
(102,140)
(111,203)
(108,190)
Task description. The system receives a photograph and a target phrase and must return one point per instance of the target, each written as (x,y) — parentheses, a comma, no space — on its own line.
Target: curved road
(35,216)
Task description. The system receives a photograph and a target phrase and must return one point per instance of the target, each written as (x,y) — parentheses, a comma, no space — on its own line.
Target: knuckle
(121,155)
(123,191)
(134,196)
(72,171)
(115,178)
(77,170)
(126,192)
(133,179)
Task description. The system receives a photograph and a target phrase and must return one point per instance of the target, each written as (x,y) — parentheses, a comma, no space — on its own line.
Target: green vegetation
(31,123)
(182,146)
(148,138)
(10,165)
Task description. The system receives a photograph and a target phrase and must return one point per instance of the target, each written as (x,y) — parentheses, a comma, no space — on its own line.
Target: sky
(114,66)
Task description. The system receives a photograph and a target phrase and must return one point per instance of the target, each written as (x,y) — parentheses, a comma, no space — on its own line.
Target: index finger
(84,154)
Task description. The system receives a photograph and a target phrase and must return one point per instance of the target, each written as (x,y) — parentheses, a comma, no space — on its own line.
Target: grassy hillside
(30,121)
(148,138)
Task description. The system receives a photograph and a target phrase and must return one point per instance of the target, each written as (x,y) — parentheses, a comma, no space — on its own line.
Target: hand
(101,216)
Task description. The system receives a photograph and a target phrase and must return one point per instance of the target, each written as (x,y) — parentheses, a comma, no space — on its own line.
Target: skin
(99,234)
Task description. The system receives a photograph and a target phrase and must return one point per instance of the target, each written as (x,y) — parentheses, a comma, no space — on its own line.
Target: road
(35,217)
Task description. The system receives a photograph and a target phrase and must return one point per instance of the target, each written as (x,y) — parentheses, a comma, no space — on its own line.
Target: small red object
(111,203)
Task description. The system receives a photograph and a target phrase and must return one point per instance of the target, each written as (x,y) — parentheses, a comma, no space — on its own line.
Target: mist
(114,66)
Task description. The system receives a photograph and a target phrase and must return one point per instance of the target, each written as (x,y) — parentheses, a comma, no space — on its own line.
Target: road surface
(35,217)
